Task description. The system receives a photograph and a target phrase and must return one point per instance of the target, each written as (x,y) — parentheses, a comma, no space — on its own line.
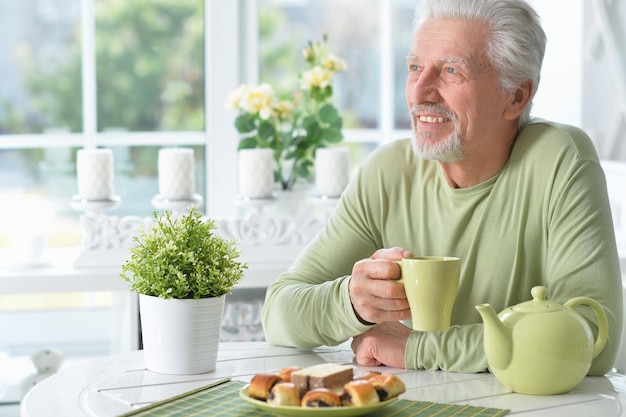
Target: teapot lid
(538,304)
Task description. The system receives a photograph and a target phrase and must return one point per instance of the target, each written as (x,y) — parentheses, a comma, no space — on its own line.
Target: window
(129,76)
(372,36)
(370,94)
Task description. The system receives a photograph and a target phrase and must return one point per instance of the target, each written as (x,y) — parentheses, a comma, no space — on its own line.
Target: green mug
(431,284)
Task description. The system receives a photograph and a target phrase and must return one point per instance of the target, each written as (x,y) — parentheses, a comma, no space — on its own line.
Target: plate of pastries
(328,389)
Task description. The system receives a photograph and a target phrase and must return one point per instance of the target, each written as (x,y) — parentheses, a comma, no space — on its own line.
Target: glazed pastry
(285,373)
(320,397)
(358,393)
(387,386)
(367,375)
(261,385)
(284,393)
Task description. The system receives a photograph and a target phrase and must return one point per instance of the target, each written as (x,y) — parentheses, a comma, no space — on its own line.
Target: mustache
(433,108)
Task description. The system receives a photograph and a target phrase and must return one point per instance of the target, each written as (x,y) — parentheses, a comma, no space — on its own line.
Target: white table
(119,384)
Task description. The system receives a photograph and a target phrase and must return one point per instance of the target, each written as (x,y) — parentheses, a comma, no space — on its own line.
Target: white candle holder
(98,246)
(95,206)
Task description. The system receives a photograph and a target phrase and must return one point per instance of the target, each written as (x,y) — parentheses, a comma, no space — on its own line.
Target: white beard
(449,149)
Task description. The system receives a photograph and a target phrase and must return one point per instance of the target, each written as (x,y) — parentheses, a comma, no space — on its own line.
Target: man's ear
(518,100)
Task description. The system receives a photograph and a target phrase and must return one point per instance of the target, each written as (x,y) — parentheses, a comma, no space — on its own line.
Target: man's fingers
(362,353)
(374,294)
(366,360)
(392,254)
(375,269)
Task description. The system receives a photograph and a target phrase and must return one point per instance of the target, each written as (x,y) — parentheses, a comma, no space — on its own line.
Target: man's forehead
(452,33)
(447,40)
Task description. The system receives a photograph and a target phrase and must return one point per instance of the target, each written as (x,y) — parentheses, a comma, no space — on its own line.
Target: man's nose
(424,89)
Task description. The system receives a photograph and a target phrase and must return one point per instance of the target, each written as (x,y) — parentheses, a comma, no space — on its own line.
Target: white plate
(293,411)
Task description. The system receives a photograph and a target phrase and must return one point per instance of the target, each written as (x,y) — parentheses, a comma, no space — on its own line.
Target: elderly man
(522,202)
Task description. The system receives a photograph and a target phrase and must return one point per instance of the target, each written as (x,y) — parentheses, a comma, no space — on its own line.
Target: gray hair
(516,42)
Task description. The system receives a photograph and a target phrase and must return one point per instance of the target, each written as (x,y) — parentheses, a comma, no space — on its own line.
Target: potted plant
(182,270)
(294,127)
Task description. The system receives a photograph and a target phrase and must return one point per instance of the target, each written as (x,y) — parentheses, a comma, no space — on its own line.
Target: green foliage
(183,258)
(149,68)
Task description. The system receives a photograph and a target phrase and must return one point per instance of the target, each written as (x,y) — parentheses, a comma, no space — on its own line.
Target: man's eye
(413,67)
(451,70)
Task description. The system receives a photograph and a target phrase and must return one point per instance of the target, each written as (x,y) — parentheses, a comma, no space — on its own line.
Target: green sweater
(544,219)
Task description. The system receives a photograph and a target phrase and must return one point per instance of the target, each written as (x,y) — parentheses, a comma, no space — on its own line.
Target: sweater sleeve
(458,349)
(309,305)
(582,257)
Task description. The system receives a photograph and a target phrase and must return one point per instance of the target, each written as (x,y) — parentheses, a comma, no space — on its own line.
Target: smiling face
(457,106)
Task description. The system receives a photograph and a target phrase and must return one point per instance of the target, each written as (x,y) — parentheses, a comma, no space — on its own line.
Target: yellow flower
(235,96)
(283,109)
(260,100)
(316,77)
(334,63)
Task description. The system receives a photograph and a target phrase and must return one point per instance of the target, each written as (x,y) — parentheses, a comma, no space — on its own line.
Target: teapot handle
(603,324)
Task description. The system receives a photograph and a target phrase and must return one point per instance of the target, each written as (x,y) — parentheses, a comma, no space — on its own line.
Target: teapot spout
(498,340)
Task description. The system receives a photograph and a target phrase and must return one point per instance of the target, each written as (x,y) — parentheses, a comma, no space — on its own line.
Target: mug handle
(603,323)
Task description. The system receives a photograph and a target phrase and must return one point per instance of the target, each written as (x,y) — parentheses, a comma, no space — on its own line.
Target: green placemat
(222,399)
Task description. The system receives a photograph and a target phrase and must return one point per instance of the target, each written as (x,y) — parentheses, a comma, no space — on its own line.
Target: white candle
(332,171)
(94,173)
(256,173)
(176,173)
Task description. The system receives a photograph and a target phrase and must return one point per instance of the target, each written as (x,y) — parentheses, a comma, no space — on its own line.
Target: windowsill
(60,274)
(56,274)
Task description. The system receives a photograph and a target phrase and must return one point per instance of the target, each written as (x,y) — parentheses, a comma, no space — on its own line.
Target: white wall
(559,97)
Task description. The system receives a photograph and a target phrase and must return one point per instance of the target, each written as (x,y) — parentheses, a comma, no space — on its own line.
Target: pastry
(261,385)
(327,375)
(358,393)
(284,393)
(285,373)
(367,375)
(387,386)
(320,397)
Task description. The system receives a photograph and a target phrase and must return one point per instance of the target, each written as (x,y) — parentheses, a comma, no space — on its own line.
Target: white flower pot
(180,336)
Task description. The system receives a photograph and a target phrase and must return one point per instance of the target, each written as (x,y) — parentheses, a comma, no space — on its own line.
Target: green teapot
(541,347)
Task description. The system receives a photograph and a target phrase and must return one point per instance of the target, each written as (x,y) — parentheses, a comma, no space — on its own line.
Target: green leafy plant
(296,127)
(182,257)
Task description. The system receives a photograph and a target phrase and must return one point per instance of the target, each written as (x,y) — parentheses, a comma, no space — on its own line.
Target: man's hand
(374,294)
(383,344)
